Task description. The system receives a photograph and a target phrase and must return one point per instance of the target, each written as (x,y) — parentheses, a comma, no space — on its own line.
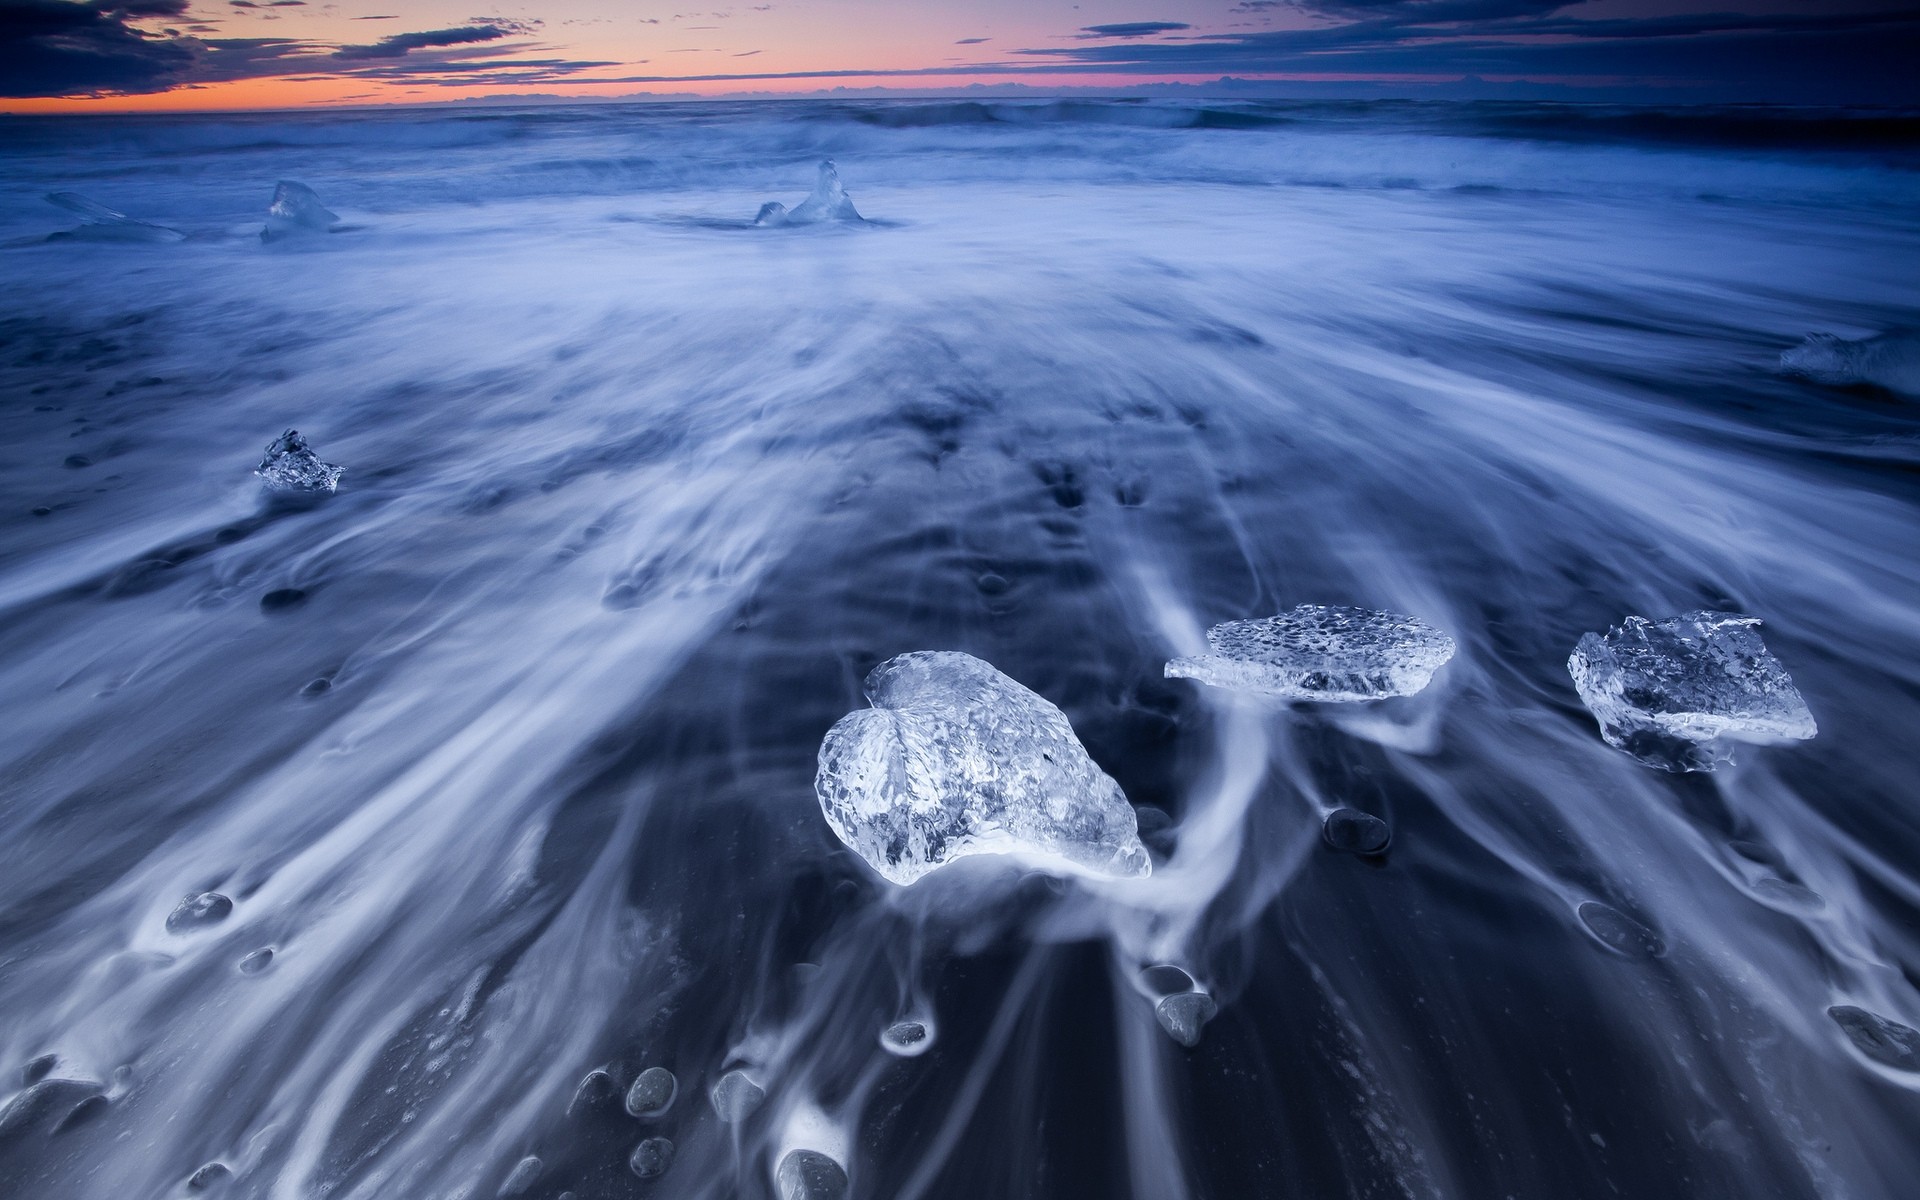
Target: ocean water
(506,750)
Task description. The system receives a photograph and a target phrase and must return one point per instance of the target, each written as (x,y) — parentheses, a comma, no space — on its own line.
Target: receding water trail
(453,832)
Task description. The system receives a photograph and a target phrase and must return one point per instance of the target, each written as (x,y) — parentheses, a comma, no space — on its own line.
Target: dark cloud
(1814,57)
(52,47)
(401,44)
(1133,29)
(971,41)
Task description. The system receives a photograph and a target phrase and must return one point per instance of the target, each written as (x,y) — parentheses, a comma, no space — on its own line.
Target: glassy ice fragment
(209,1175)
(810,1175)
(954,759)
(652,1092)
(1881,1039)
(1891,360)
(828,202)
(1673,693)
(524,1175)
(1619,932)
(907,1039)
(296,210)
(1320,652)
(98,223)
(194,912)
(736,1097)
(1356,832)
(651,1158)
(292,466)
(1184,1015)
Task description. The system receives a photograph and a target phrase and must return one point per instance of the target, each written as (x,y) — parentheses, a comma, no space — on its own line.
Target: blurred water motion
(501,757)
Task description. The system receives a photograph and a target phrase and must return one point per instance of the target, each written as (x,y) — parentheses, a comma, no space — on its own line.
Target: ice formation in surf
(296,210)
(1320,652)
(1672,693)
(1891,360)
(829,202)
(954,759)
(292,466)
(98,223)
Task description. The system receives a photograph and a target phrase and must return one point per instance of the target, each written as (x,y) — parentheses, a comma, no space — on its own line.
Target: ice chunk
(198,912)
(907,1039)
(1320,652)
(208,1176)
(295,211)
(524,1175)
(1891,360)
(1881,1039)
(810,1175)
(292,466)
(736,1097)
(1356,832)
(829,202)
(651,1158)
(1672,693)
(955,758)
(98,223)
(1185,1015)
(652,1092)
(1619,932)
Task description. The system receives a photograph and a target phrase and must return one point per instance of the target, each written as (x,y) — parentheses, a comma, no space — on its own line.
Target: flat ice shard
(295,211)
(1891,360)
(292,466)
(829,202)
(1320,652)
(954,759)
(1673,693)
(98,223)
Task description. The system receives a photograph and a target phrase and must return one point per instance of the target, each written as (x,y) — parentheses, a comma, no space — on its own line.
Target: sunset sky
(60,55)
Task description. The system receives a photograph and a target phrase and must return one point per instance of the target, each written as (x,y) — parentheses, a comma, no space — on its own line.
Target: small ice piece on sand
(209,1175)
(1881,1039)
(296,210)
(196,912)
(593,1093)
(524,1175)
(1671,693)
(810,1175)
(955,759)
(736,1097)
(1619,932)
(652,1092)
(1184,1015)
(292,466)
(907,1039)
(1356,832)
(1320,652)
(829,202)
(1890,359)
(47,1102)
(651,1158)
(102,224)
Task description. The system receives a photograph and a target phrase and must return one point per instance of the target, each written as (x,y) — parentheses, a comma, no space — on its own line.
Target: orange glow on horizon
(268,95)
